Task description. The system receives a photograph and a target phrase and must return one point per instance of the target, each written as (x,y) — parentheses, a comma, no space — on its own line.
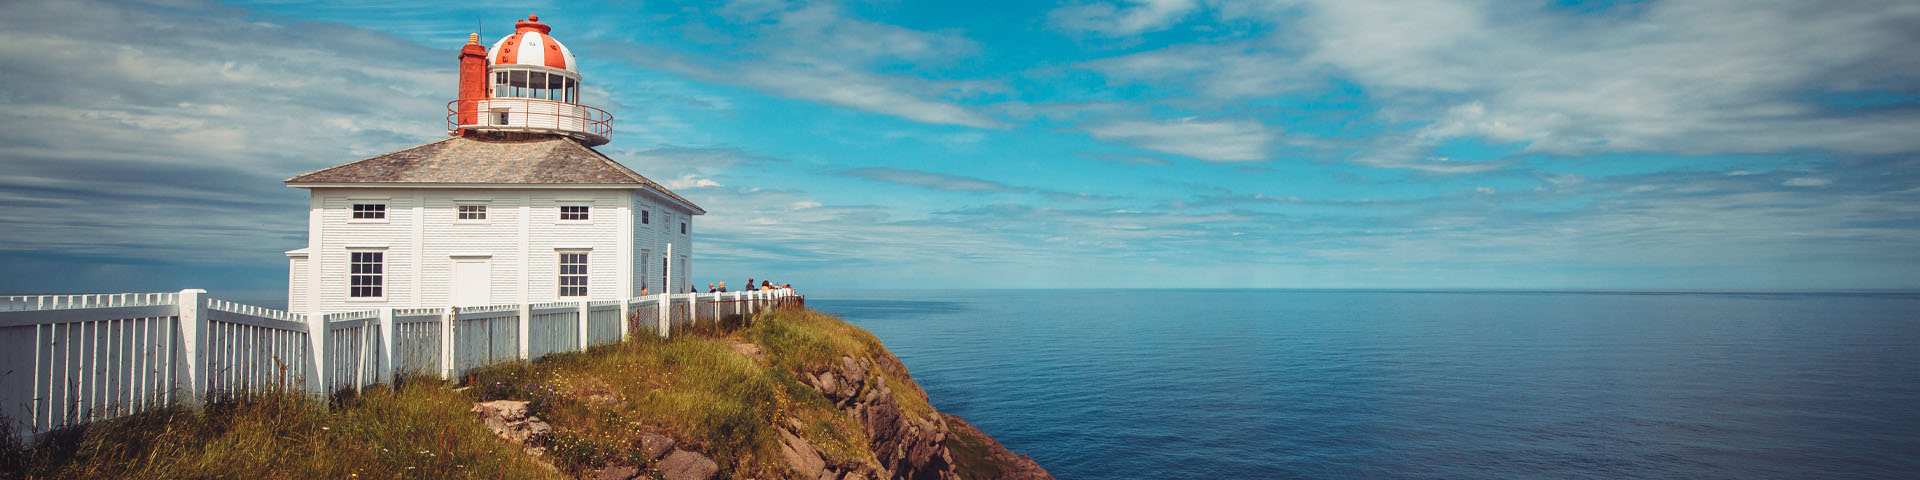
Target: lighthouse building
(514,207)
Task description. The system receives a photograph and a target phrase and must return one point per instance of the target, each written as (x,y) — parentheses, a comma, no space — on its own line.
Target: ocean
(1230,384)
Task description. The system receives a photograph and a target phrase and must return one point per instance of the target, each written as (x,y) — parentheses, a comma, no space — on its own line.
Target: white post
(446,342)
(626,308)
(526,328)
(190,370)
(663,305)
(317,354)
(583,325)
(386,346)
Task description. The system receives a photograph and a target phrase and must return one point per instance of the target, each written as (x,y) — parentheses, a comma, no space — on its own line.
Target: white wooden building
(515,207)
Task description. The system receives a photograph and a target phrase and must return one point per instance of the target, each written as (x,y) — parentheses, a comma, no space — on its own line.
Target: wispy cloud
(1695,78)
(956,183)
(936,181)
(1210,140)
(818,52)
(1134,17)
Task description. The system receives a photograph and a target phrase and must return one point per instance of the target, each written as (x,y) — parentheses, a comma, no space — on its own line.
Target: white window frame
(382,276)
(353,207)
(486,216)
(560,207)
(584,274)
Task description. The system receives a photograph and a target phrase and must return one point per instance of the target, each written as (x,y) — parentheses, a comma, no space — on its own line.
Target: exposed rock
(655,445)
(749,350)
(509,420)
(801,456)
(685,465)
(907,447)
(1010,466)
(617,472)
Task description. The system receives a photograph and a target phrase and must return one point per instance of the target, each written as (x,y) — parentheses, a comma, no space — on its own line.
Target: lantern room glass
(514,83)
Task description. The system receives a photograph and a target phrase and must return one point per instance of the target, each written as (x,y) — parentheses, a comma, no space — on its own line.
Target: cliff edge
(790,394)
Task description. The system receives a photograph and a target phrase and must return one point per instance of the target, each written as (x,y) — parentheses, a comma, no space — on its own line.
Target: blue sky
(1344,144)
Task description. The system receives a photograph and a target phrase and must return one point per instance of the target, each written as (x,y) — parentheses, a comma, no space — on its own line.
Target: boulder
(801,456)
(655,446)
(685,465)
(509,420)
(617,472)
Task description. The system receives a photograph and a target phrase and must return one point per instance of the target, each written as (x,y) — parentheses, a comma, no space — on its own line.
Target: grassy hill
(790,394)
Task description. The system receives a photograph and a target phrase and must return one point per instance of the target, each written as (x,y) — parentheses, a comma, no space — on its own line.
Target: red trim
(554,58)
(505,56)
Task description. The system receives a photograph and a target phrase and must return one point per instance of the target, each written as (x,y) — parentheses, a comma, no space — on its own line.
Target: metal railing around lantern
(530,114)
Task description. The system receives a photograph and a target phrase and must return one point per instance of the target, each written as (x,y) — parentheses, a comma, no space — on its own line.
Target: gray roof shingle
(514,159)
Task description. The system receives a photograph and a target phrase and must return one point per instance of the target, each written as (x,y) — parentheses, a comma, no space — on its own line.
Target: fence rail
(71,359)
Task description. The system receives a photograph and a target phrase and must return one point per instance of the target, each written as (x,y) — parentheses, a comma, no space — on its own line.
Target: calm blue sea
(1112,384)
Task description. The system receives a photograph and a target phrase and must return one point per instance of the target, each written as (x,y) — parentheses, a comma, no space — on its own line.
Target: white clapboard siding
(71,359)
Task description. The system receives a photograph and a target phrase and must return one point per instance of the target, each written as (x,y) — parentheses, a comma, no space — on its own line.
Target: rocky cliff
(794,394)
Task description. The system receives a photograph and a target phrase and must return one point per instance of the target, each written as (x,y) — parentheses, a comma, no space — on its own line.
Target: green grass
(419,431)
(695,389)
(692,387)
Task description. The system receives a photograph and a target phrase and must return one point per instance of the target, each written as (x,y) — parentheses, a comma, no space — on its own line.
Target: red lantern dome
(530,45)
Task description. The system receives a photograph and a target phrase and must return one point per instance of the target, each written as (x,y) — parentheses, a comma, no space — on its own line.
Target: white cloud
(1692,78)
(1210,140)
(1808,182)
(817,52)
(1137,17)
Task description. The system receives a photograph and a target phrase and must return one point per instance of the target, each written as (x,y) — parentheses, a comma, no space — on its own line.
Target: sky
(1132,144)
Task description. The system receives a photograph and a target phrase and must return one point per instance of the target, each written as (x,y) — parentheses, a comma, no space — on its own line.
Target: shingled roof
(533,160)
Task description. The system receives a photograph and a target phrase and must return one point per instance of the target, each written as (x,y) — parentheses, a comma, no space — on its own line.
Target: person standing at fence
(766,285)
(723,287)
(749,285)
(643,289)
(710,288)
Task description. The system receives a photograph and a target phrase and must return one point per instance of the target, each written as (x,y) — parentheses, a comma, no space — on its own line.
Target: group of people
(722,287)
(764,285)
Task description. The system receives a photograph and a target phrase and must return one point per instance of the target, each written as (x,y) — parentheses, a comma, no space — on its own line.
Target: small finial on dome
(533,18)
(473,39)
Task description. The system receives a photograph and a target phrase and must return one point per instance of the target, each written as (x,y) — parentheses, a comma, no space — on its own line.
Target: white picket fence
(71,359)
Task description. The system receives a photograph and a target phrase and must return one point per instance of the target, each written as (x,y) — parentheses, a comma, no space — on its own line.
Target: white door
(472,282)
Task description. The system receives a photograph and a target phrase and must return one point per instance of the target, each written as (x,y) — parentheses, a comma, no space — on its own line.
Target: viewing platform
(588,124)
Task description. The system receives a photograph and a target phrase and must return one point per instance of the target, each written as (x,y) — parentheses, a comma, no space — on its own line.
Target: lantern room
(527,82)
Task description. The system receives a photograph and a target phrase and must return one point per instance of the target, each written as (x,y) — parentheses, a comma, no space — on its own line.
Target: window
(663,273)
(573,274)
(369,211)
(500,117)
(646,216)
(573,212)
(669,220)
(471,212)
(683,228)
(367,276)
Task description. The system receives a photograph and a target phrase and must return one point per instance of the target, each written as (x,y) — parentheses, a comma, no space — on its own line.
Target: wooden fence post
(317,383)
(446,342)
(190,368)
(583,325)
(526,328)
(386,346)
